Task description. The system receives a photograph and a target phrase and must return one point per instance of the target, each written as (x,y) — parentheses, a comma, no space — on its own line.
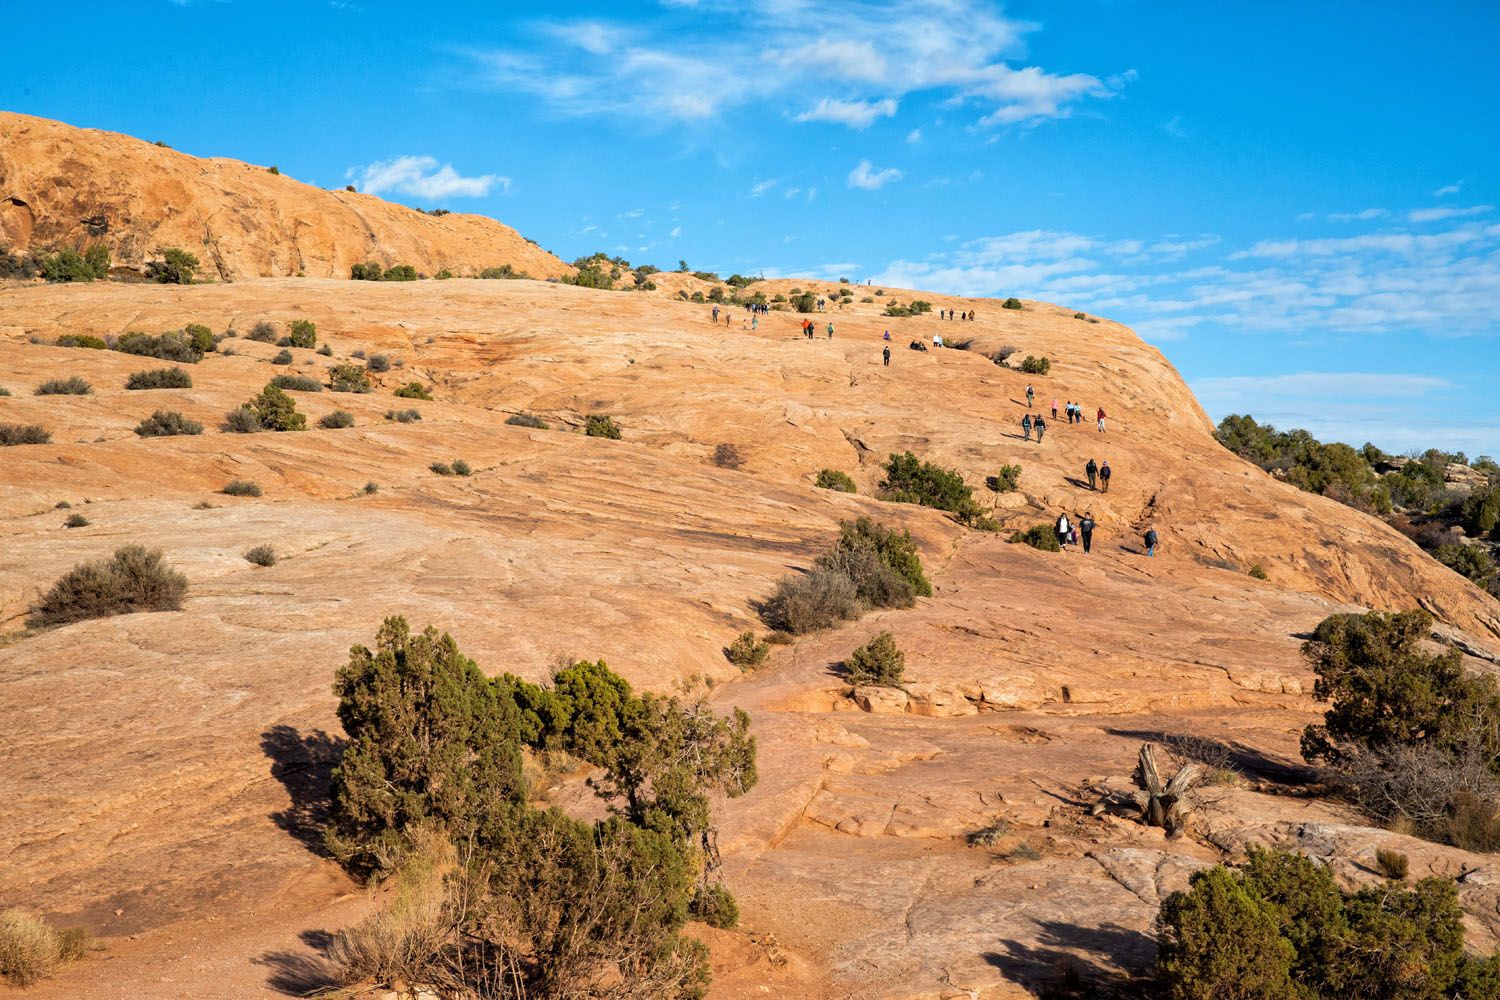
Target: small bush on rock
(526,420)
(879,662)
(302,333)
(200,338)
(167,347)
(403,416)
(1038,536)
(262,333)
(1006,480)
(167,423)
(378,363)
(414,390)
(73,386)
(833,479)
(747,650)
(76,521)
(1036,366)
(599,425)
(818,600)
(83,340)
(32,949)
(261,555)
(297,383)
(175,268)
(15,434)
(282,358)
(336,420)
(1012,303)
(241,420)
(274,410)
(134,579)
(348,378)
(160,378)
(241,488)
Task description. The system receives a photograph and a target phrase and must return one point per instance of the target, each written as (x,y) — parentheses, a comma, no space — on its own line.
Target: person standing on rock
(1030,397)
(1041,426)
(716,315)
(830,331)
(755,321)
(886,335)
(1062,529)
(1026,426)
(1101,420)
(1091,470)
(1151,540)
(1054,409)
(885,353)
(1104,474)
(1086,530)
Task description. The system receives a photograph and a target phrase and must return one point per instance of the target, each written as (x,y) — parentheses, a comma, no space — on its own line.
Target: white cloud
(421,177)
(958,49)
(761,187)
(1364,215)
(1173,127)
(1319,385)
(676,232)
(1439,214)
(866,177)
(791,192)
(634,213)
(914,136)
(855,114)
(1448,189)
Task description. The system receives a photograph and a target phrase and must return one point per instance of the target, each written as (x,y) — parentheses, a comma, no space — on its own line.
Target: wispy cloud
(779,53)
(855,114)
(1364,215)
(1439,214)
(867,178)
(761,187)
(914,136)
(1448,189)
(422,177)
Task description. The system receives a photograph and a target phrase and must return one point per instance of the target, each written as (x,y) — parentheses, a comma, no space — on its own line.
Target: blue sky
(1296,202)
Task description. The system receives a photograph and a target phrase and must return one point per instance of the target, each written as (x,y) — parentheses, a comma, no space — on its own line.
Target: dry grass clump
(134,579)
(406,941)
(241,488)
(261,555)
(404,416)
(336,420)
(31,949)
(13,434)
(76,521)
(73,386)
(160,378)
(526,420)
(167,423)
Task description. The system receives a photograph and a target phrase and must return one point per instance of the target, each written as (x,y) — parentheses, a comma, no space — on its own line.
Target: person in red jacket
(1101,420)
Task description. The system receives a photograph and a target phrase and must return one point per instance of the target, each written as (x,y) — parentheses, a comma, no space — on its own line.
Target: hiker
(716,315)
(1063,530)
(1071,411)
(1104,474)
(1091,470)
(1030,396)
(1101,420)
(937,340)
(830,331)
(885,353)
(755,321)
(886,335)
(917,345)
(1151,540)
(1054,409)
(1086,529)
(1040,425)
(1026,426)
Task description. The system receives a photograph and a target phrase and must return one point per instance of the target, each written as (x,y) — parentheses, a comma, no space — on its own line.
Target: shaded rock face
(67,187)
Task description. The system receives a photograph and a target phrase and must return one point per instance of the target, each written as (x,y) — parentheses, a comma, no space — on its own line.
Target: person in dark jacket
(1040,423)
(1026,426)
(1091,470)
(1086,530)
(1151,540)
(1104,474)
(1030,396)
(885,352)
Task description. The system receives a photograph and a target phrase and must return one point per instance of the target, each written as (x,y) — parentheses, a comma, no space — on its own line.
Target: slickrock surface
(62,186)
(163,772)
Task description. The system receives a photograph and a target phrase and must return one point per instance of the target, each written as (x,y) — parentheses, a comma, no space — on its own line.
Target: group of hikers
(808,328)
(955,314)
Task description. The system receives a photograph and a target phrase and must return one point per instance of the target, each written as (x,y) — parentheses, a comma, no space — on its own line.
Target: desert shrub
(369,271)
(84,340)
(504,271)
(804,302)
(297,383)
(747,650)
(31,949)
(1392,864)
(241,420)
(910,480)
(134,579)
(199,337)
(72,386)
(1470,561)
(69,265)
(715,906)
(403,416)
(348,378)
(76,521)
(833,479)
(1258,571)
(378,363)
(261,555)
(4,391)
(282,358)
(160,378)
(325,351)
(1038,536)
(526,420)
(600,425)
(878,662)
(882,563)
(820,599)
(1079,315)
(1281,928)
(400,272)
(1012,303)
(274,410)
(414,390)
(14,434)
(728,456)
(302,333)
(241,488)
(370,489)
(1036,366)
(175,268)
(262,332)
(167,423)
(462,468)
(1481,511)
(441,468)
(1006,480)
(336,420)
(167,347)
(431,739)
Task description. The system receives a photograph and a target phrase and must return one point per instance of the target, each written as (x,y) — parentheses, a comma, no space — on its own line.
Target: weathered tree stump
(1161,805)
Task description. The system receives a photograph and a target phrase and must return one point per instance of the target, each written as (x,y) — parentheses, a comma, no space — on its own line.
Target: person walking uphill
(1086,530)
(1026,426)
(1041,427)
(1151,540)
(1091,470)
(1101,420)
(830,331)
(1030,397)
(1062,529)
(1104,474)
(1054,409)
(885,353)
